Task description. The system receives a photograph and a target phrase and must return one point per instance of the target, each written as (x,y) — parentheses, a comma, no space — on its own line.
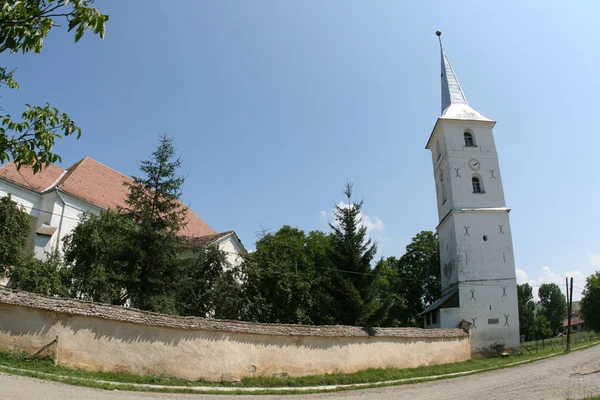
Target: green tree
(102,256)
(209,286)
(154,205)
(287,277)
(590,303)
(14,232)
(389,290)
(526,308)
(24,25)
(419,276)
(134,254)
(48,277)
(554,304)
(541,327)
(354,285)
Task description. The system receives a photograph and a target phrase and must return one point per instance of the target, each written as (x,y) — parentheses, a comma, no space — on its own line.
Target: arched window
(477,188)
(443,193)
(469,142)
(437,147)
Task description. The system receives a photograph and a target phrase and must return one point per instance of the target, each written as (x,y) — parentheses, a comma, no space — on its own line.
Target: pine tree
(353,252)
(154,204)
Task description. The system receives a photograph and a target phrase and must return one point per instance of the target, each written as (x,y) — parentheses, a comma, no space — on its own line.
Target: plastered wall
(100,344)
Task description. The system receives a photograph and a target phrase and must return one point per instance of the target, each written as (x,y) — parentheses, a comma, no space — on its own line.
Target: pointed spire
(452,93)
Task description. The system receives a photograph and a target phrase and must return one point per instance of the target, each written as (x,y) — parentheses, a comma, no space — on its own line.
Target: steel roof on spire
(454,101)
(452,93)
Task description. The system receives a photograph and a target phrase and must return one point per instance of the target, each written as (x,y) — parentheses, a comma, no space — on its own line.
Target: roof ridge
(55,183)
(69,172)
(106,166)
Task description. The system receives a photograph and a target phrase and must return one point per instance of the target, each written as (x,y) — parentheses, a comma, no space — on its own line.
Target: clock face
(474,164)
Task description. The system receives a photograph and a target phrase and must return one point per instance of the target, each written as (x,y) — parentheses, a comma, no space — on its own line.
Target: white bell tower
(476,252)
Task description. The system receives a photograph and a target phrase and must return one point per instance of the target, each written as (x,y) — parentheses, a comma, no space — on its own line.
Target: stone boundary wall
(102,337)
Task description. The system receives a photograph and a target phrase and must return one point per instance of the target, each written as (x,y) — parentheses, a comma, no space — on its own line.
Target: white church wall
(478,258)
(450,317)
(68,215)
(448,259)
(482,134)
(232,249)
(492,309)
(31,201)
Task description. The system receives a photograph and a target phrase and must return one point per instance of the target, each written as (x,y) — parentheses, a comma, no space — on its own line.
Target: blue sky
(274,105)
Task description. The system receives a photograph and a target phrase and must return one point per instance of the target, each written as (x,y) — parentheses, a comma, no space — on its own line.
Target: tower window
(469,142)
(437,147)
(477,188)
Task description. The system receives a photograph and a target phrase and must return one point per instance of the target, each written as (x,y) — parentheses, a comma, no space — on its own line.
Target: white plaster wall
(486,267)
(71,211)
(31,201)
(486,303)
(467,260)
(450,317)
(455,155)
(106,345)
(28,199)
(232,249)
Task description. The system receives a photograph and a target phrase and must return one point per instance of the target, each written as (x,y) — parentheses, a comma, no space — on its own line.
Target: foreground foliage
(590,303)
(554,305)
(526,309)
(14,232)
(25,23)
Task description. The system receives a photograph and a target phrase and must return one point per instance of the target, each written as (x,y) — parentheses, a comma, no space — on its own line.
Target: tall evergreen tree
(154,204)
(355,284)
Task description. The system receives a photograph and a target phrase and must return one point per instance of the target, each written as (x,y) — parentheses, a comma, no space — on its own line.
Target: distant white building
(476,252)
(55,198)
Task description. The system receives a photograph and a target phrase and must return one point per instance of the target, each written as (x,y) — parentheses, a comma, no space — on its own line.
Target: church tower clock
(476,253)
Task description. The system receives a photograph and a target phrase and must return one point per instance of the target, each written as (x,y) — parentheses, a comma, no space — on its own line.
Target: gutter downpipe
(62,215)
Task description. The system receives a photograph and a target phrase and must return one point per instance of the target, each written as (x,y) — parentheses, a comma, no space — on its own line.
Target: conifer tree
(353,252)
(154,204)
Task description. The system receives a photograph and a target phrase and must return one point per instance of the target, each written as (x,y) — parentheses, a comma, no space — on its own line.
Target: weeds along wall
(101,337)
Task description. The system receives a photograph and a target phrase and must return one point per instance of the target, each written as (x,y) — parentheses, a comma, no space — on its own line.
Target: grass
(37,367)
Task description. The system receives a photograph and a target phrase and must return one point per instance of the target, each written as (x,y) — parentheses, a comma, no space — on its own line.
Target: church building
(479,288)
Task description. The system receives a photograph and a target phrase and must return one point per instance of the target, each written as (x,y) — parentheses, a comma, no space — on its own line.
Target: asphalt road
(573,376)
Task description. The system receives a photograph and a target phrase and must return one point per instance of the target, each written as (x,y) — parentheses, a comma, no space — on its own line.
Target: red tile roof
(94,183)
(202,241)
(26,178)
(575,320)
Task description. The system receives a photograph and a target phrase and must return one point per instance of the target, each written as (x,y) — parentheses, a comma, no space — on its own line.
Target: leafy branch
(23,26)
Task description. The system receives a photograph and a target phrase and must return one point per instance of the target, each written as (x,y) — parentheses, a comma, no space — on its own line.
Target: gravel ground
(573,376)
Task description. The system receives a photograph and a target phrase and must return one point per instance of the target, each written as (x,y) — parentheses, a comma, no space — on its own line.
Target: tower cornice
(470,210)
